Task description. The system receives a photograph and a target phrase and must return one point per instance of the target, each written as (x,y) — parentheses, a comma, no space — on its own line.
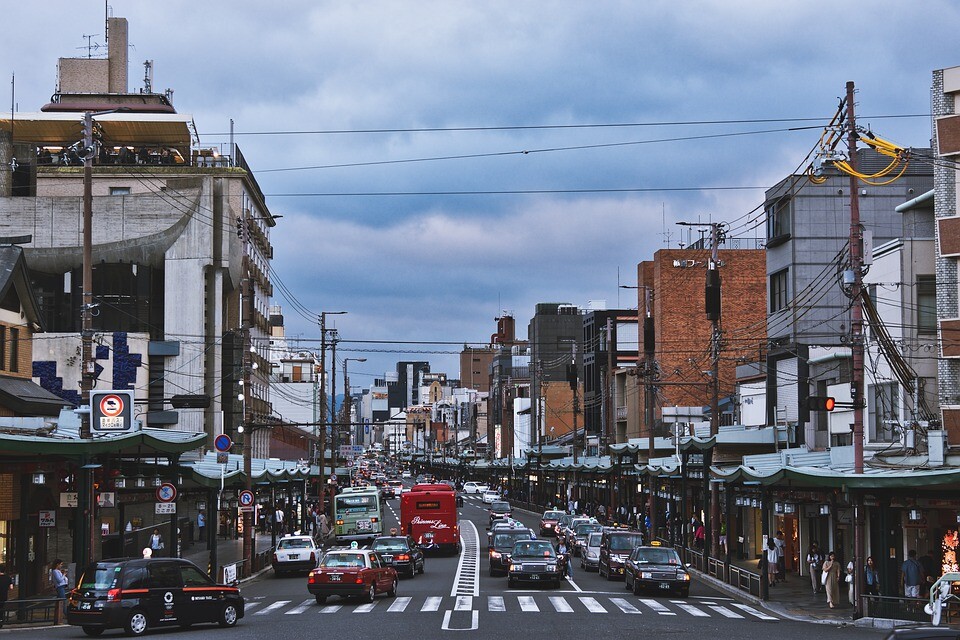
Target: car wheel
(136,624)
(371,594)
(685,593)
(228,615)
(423,567)
(393,589)
(600,569)
(610,574)
(93,632)
(320,599)
(637,588)
(413,572)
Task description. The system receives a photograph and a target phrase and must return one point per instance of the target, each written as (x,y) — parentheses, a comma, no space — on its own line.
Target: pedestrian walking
(781,556)
(6,586)
(930,573)
(771,562)
(699,536)
(831,579)
(849,580)
(912,572)
(601,514)
(58,576)
(156,540)
(815,564)
(871,578)
(564,553)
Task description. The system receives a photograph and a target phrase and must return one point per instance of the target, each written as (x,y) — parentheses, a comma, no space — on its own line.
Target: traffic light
(821,403)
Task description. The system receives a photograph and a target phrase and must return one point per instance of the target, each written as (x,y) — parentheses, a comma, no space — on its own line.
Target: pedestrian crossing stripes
(534,604)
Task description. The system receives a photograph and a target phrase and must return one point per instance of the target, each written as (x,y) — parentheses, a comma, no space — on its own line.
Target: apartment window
(778,291)
(778,222)
(119,191)
(927,304)
(14,349)
(883,411)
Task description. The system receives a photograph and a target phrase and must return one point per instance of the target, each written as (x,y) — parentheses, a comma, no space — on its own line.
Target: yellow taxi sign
(655,543)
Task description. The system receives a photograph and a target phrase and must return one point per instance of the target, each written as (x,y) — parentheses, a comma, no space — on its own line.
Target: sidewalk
(228,551)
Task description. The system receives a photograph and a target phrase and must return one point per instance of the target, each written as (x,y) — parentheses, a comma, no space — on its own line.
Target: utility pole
(246,318)
(572,377)
(335,454)
(856,341)
(713,306)
(86,306)
(649,375)
(608,423)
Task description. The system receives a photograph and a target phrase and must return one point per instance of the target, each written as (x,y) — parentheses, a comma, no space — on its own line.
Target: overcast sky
(308,81)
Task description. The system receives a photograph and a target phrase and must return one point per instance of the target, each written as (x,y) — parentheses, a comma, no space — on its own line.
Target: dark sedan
(401,553)
(501,546)
(535,561)
(656,568)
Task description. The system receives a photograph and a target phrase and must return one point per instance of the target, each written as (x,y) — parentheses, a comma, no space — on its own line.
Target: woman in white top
(156,540)
(772,554)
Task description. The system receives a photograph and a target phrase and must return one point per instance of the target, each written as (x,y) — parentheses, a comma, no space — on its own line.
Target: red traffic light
(821,403)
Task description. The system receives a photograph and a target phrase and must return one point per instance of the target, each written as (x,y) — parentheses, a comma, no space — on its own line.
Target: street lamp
(323,386)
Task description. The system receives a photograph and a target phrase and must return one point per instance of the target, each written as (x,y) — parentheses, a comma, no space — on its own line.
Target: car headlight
(516,567)
(646,575)
(495,555)
(551,567)
(591,556)
(685,577)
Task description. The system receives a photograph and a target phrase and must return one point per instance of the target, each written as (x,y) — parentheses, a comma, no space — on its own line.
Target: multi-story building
(683,333)
(475,367)
(556,344)
(509,380)
(808,313)
(178,229)
(946,141)
(609,343)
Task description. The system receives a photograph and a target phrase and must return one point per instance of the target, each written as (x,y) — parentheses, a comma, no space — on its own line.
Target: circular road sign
(246,498)
(166,492)
(111,405)
(222,443)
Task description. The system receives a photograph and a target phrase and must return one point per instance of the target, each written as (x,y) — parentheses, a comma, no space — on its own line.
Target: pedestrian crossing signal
(821,403)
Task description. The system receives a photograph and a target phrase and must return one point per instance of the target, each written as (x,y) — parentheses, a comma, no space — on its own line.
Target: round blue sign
(222,442)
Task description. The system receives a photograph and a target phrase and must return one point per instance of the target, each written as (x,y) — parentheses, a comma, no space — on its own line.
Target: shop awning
(133,129)
(26,397)
(207,471)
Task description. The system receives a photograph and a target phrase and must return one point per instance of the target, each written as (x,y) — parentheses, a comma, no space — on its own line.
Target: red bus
(428,514)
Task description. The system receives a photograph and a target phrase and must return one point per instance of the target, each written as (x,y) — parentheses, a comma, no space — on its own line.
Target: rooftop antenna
(90,44)
(663,226)
(148,76)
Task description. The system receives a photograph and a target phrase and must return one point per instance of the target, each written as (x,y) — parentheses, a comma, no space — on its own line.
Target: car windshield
(345,560)
(552,515)
(295,543)
(534,549)
(656,556)
(507,540)
(593,540)
(100,576)
(390,544)
(625,541)
(585,528)
(502,507)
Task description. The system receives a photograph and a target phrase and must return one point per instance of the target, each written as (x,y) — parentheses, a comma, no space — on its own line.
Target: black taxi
(139,594)
(657,568)
(615,546)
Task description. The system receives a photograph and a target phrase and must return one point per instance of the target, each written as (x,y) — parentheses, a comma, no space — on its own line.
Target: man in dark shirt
(930,573)
(6,586)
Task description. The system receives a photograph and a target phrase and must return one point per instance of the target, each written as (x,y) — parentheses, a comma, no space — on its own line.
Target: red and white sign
(111,406)
(166,492)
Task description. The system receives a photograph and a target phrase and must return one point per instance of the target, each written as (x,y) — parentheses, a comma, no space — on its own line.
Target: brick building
(683,332)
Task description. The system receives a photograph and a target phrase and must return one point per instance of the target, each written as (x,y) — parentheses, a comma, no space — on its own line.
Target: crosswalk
(534,604)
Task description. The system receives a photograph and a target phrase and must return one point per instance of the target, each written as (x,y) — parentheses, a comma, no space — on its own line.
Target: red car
(352,573)
(548,523)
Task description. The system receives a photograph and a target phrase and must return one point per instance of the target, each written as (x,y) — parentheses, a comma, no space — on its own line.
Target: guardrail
(901,608)
(744,580)
(32,611)
(261,560)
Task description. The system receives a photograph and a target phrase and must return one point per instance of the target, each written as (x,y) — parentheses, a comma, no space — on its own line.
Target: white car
(474,487)
(406,474)
(490,496)
(295,553)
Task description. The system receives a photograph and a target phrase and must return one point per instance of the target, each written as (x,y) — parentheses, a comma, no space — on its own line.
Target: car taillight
(402,557)
(359,580)
(373,519)
(114,595)
(312,578)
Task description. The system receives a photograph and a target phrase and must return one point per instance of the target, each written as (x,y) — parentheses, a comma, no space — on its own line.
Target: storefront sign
(229,573)
(165,508)
(69,499)
(48,518)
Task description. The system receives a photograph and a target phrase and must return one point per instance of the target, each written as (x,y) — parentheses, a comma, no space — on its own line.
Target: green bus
(358,514)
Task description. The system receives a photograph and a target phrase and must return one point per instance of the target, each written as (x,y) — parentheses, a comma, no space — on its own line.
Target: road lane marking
(527,603)
(692,610)
(574,584)
(726,613)
(464,603)
(300,608)
(332,608)
(250,605)
(752,611)
(365,608)
(400,604)
(466,582)
(432,604)
(656,606)
(592,605)
(560,604)
(495,603)
(624,606)
(275,605)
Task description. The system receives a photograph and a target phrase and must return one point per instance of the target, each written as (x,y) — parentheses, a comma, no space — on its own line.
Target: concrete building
(556,343)
(808,313)
(178,226)
(509,380)
(475,368)
(610,338)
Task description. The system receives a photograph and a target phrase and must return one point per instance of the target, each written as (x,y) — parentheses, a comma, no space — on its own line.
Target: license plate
(293,556)
(620,570)
(363,525)
(664,585)
(534,577)
(335,577)
(84,605)
(388,558)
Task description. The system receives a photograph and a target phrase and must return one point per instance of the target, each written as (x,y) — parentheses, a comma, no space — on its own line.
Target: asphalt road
(456,595)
